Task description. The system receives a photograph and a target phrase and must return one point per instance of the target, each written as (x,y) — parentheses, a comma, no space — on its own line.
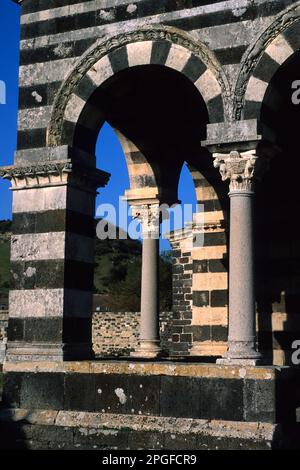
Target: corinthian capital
(149,216)
(239,168)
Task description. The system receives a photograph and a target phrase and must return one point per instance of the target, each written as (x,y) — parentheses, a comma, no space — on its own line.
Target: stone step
(53,429)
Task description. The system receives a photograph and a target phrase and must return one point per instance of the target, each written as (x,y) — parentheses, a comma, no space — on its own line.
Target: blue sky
(9,57)
(109,153)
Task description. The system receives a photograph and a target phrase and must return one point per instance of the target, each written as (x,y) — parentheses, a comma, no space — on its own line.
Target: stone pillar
(240,169)
(52,256)
(149,343)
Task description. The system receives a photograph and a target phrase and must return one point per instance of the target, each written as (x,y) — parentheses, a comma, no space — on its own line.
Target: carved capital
(54,173)
(149,215)
(241,169)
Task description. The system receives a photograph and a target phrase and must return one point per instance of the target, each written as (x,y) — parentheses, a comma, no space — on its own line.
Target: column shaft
(149,341)
(241,278)
(150,293)
(240,170)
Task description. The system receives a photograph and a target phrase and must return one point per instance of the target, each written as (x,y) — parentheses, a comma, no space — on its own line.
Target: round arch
(143,180)
(262,60)
(150,45)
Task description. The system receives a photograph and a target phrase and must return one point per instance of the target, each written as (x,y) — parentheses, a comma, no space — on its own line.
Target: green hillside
(117,271)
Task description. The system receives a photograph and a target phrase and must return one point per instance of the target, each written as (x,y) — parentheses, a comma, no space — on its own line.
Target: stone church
(213,84)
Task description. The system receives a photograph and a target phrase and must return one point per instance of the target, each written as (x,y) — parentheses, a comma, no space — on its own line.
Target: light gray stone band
(53,245)
(40,303)
(163,18)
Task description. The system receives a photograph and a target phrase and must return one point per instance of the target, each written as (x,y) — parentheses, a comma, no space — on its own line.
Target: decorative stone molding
(54,173)
(36,175)
(175,237)
(239,168)
(102,48)
(213,226)
(253,54)
(150,216)
(193,233)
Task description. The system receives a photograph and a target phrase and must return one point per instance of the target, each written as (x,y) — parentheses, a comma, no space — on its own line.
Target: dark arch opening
(162,113)
(158,109)
(277,221)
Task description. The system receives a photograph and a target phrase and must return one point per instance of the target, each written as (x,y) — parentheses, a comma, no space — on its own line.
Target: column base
(148,350)
(48,352)
(241,353)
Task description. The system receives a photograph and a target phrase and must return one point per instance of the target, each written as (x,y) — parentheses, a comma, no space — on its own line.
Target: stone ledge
(150,368)
(163,393)
(45,429)
(106,421)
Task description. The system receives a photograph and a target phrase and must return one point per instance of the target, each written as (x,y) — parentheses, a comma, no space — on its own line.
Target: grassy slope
(102,269)
(103,259)
(116,268)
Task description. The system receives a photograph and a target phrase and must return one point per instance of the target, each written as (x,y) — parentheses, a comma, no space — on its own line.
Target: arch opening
(158,110)
(160,119)
(277,224)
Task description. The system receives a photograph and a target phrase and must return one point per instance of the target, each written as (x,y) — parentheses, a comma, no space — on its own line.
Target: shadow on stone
(12,435)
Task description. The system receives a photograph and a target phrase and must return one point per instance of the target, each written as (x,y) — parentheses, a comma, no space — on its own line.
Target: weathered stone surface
(42,391)
(97,431)
(221,60)
(79,392)
(151,368)
(168,392)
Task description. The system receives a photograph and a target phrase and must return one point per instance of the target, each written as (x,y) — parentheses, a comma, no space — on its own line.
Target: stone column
(240,169)
(149,343)
(52,256)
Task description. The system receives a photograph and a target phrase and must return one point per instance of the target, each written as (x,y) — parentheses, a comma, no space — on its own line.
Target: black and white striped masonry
(216,60)
(52,256)
(102,61)
(278,43)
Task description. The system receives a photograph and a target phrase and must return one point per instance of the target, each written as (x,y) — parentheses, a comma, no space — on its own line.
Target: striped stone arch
(144,183)
(211,192)
(262,60)
(158,45)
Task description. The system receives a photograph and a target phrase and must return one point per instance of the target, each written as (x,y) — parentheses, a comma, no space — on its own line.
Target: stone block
(47,433)
(79,392)
(176,441)
(100,438)
(42,391)
(11,389)
(149,440)
(259,400)
(221,399)
(127,394)
(180,397)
